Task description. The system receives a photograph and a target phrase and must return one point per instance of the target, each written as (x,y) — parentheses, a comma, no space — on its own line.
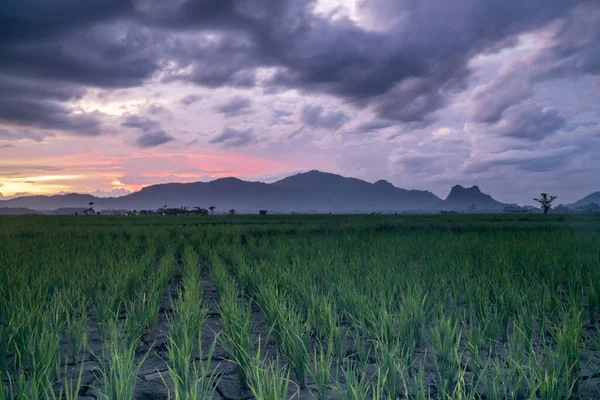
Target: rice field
(300,307)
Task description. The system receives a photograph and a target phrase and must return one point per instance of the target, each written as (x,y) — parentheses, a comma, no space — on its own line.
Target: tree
(262,212)
(545,202)
(232,212)
(90,211)
(200,211)
(212,209)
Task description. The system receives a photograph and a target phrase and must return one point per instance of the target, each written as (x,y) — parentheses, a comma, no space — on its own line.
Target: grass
(320,370)
(119,364)
(460,307)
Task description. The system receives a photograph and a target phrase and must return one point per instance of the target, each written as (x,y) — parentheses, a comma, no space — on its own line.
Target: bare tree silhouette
(545,202)
(90,211)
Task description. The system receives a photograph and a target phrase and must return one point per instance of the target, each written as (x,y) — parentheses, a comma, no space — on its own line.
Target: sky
(109,96)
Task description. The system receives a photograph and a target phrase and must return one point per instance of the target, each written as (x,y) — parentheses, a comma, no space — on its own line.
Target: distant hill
(461,198)
(16,211)
(308,192)
(72,200)
(587,200)
(317,190)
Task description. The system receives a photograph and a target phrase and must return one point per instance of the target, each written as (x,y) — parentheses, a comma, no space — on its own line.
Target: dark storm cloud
(492,101)
(524,160)
(56,54)
(20,134)
(139,122)
(48,115)
(405,71)
(576,45)
(15,87)
(315,116)
(28,106)
(574,51)
(235,106)
(26,20)
(373,126)
(111,56)
(153,139)
(158,109)
(531,123)
(152,133)
(231,137)
(189,99)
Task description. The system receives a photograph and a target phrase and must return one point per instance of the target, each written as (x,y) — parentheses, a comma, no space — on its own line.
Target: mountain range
(310,192)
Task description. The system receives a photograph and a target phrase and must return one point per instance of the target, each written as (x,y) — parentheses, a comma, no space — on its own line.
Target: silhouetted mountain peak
(314,178)
(587,200)
(383,183)
(461,189)
(463,198)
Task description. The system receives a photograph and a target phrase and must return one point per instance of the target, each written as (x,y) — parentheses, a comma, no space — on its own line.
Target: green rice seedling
(151,305)
(418,390)
(193,380)
(378,388)
(445,339)
(42,352)
(357,385)
(324,321)
(219,273)
(414,313)
(550,384)
(180,348)
(519,345)
(190,262)
(206,380)
(186,326)
(395,361)
(236,328)
(27,386)
(381,324)
(77,328)
(268,299)
(190,314)
(464,390)
(594,297)
(525,322)
(362,351)
(495,381)
(6,337)
(69,390)
(507,379)
(295,337)
(269,381)
(320,370)
(107,309)
(567,337)
(474,339)
(119,365)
